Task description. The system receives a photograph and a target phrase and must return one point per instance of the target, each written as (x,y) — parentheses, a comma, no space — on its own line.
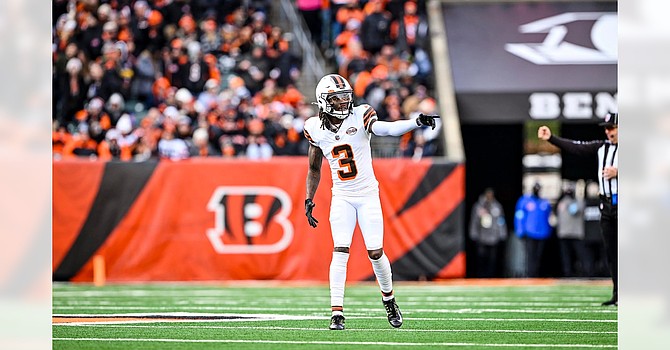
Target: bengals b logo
(250,219)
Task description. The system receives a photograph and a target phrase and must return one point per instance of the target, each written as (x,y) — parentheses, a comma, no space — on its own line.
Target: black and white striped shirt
(608,155)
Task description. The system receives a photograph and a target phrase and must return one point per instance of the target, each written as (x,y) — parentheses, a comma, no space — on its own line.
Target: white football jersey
(347,151)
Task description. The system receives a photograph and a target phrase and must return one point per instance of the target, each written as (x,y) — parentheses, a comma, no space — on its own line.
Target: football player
(341,133)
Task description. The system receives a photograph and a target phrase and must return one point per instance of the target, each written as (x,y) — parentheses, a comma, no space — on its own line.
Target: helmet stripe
(339,81)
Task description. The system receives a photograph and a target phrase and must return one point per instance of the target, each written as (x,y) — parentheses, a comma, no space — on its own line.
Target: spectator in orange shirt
(267,94)
(388,57)
(214,72)
(156,35)
(159,91)
(292,96)
(350,34)
(276,44)
(349,11)
(371,6)
(407,29)
(93,113)
(81,144)
(187,30)
(59,138)
(361,82)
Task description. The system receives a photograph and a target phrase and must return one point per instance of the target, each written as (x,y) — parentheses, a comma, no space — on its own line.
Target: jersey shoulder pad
(368,114)
(311,126)
(361,109)
(312,122)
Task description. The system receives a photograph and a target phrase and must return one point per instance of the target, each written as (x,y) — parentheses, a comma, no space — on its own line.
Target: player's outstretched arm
(583,148)
(400,127)
(315,157)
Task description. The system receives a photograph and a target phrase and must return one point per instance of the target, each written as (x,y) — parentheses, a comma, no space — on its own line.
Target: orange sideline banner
(216,219)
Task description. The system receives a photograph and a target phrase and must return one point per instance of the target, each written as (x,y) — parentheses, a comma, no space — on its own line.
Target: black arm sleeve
(582,148)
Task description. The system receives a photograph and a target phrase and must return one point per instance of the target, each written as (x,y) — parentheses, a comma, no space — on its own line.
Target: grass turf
(516,315)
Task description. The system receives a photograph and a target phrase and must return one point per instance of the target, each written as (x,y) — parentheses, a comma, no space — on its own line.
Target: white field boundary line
(316,309)
(270,317)
(325,298)
(225,293)
(349,302)
(175,318)
(603,282)
(332,342)
(348,329)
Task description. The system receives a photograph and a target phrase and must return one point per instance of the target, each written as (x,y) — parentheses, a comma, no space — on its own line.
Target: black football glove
(309,205)
(427,120)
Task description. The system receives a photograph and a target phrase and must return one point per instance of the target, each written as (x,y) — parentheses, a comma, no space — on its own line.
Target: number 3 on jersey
(347,162)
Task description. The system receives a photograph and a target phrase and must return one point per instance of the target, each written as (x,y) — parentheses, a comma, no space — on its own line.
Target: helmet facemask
(338,104)
(335,96)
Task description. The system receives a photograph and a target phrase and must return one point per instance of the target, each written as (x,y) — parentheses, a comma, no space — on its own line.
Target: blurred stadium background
(170,116)
(480,149)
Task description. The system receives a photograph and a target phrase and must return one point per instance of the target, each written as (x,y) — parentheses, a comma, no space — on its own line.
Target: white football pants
(346,211)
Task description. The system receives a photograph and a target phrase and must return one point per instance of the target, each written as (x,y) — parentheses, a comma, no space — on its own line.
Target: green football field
(515,314)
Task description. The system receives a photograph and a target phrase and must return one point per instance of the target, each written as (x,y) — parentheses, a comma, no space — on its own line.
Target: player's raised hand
(544,133)
(427,120)
(309,205)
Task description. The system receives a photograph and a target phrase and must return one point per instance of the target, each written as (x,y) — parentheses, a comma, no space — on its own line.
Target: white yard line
(331,342)
(266,317)
(315,293)
(348,329)
(293,302)
(318,309)
(175,318)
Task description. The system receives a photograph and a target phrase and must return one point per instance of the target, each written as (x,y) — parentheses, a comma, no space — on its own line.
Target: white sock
(338,277)
(382,269)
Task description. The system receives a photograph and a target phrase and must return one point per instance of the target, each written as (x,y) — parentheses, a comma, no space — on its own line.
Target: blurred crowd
(382,47)
(173,79)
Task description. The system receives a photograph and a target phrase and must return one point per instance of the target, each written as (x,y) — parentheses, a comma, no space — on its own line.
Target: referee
(608,163)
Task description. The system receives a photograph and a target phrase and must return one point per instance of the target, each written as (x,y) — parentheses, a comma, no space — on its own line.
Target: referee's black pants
(610,229)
